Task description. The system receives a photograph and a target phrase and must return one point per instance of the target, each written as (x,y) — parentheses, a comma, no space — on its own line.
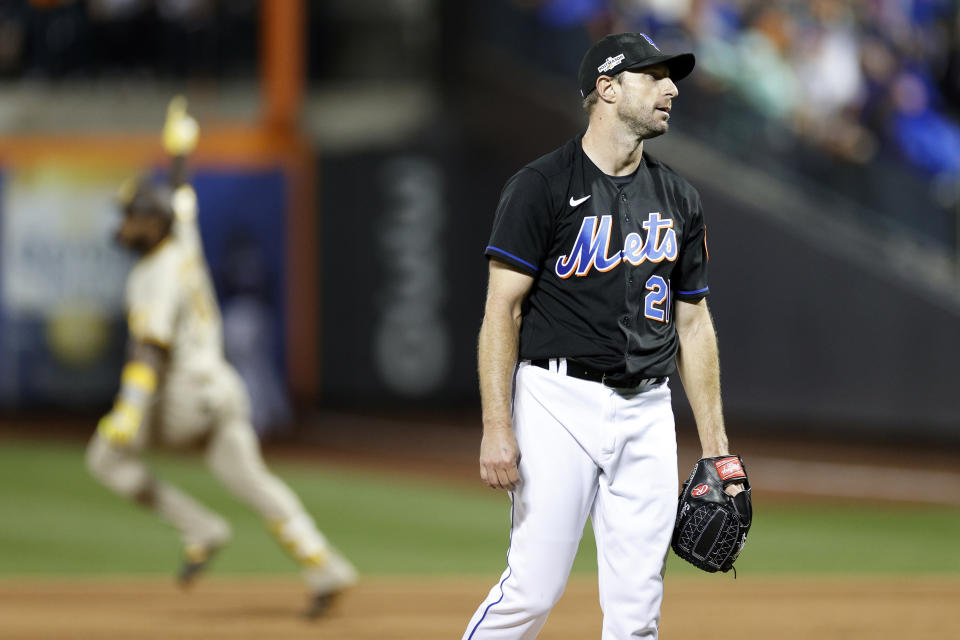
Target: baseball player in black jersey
(597,293)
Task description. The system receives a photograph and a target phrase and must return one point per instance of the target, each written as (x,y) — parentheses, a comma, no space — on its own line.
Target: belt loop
(552,365)
(562,366)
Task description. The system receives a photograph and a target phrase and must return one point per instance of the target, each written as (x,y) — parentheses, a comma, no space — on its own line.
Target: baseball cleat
(327,581)
(196,559)
(319,605)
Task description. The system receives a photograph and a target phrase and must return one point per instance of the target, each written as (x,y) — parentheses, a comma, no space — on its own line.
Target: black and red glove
(712,526)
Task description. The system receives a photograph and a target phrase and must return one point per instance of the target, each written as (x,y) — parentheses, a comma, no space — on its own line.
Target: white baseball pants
(214,406)
(586,449)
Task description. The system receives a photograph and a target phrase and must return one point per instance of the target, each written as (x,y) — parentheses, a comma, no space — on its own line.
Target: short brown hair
(590,101)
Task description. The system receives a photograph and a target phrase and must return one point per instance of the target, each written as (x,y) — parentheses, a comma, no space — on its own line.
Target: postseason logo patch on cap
(611,62)
(650,40)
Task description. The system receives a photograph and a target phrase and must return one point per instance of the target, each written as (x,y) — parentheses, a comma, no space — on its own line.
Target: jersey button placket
(625,212)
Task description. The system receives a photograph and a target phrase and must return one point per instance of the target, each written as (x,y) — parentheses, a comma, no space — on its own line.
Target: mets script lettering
(591,249)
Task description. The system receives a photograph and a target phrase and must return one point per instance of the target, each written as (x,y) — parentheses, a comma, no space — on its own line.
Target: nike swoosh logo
(578,201)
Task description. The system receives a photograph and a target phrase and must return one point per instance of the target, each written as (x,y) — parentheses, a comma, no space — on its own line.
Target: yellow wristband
(137,384)
(139,375)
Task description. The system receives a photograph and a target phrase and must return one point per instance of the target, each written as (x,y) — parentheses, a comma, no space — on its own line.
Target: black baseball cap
(621,51)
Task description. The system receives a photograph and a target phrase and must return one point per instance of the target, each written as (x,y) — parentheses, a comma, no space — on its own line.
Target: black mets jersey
(609,256)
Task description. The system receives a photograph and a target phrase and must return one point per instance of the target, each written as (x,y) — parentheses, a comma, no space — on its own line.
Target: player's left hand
(181,131)
(120,426)
(734,489)
(711,526)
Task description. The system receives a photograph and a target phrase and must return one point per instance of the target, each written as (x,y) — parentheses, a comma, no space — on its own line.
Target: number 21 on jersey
(656,304)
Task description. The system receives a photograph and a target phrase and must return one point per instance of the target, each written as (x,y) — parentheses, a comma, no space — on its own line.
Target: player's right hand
(120,426)
(499,456)
(181,131)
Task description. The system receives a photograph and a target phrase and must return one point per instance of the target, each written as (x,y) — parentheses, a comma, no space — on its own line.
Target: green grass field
(54,519)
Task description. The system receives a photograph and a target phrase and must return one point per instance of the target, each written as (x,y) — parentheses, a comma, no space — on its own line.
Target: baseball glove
(712,526)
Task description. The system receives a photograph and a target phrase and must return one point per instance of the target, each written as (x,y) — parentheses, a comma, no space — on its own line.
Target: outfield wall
(387,280)
(810,338)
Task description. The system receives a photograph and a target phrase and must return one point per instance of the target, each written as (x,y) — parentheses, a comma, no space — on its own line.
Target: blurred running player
(177,389)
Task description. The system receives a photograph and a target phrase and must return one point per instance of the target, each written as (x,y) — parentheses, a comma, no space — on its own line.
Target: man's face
(140,232)
(646,99)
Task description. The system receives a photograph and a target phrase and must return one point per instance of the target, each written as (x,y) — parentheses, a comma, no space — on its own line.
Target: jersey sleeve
(185,217)
(152,302)
(690,280)
(523,225)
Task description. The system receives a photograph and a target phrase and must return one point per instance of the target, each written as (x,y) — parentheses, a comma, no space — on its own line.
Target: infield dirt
(426,608)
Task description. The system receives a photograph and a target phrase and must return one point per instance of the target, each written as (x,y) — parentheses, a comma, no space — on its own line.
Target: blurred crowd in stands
(824,86)
(856,77)
(66,39)
(858,98)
